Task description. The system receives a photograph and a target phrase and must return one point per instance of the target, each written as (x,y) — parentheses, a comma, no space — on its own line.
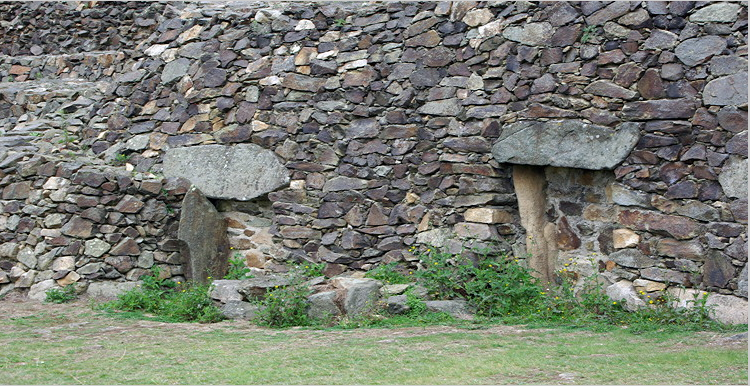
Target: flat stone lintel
(565,143)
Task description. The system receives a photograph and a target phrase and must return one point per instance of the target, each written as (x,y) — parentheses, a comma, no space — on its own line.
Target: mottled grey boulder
(728,309)
(623,290)
(697,50)
(717,13)
(257,287)
(532,34)
(109,289)
(237,309)
(175,70)
(565,143)
(204,246)
(323,305)
(225,290)
(397,304)
(456,308)
(733,177)
(727,91)
(240,172)
(360,294)
(39,290)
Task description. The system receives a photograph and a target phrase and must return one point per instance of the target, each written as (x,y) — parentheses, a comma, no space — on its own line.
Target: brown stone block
(675,226)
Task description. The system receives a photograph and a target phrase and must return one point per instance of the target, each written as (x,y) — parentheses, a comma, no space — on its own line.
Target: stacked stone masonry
(385,116)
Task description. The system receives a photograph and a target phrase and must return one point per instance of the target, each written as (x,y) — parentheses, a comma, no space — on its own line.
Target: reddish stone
(538,110)
(376,217)
(732,119)
(676,226)
(717,270)
(627,74)
(691,250)
(129,204)
(87,201)
(659,109)
(17,191)
(17,69)
(128,246)
(673,172)
(567,240)
(650,85)
(684,189)
(77,227)
(739,210)
(611,57)
(122,264)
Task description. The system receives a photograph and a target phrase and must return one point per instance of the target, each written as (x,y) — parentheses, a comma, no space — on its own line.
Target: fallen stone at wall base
(110,289)
(237,309)
(39,290)
(565,143)
(725,308)
(323,305)
(360,294)
(226,290)
(257,287)
(459,309)
(623,290)
(204,245)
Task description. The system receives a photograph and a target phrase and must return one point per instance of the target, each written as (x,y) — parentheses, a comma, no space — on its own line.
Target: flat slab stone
(240,172)
(565,143)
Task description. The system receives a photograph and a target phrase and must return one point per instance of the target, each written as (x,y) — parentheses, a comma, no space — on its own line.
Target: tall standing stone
(203,234)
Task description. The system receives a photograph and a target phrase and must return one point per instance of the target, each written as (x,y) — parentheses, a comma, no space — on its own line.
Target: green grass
(49,348)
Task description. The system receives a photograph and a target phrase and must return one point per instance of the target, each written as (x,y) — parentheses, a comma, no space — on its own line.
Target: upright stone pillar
(204,245)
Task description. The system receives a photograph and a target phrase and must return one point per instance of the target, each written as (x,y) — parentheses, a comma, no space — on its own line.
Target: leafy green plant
(495,284)
(339,22)
(588,32)
(388,274)
(61,295)
(120,159)
(237,268)
(308,269)
(169,300)
(285,306)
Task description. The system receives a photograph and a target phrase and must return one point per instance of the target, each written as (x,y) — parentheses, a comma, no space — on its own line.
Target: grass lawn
(70,344)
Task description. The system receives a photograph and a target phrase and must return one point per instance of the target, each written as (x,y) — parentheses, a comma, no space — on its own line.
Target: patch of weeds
(503,291)
(61,295)
(120,159)
(339,22)
(285,306)
(588,32)
(494,283)
(389,274)
(308,269)
(168,300)
(237,268)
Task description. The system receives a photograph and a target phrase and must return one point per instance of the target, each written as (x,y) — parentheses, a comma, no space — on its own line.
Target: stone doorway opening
(562,179)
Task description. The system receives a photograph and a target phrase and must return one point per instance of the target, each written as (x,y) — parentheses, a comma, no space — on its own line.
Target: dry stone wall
(385,116)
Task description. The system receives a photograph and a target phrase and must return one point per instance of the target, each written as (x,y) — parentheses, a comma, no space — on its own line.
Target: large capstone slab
(240,172)
(565,143)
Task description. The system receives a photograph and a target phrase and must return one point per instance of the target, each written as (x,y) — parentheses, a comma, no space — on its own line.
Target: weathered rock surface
(239,172)
(733,177)
(569,143)
(203,235)
(109,289)
(727,91)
